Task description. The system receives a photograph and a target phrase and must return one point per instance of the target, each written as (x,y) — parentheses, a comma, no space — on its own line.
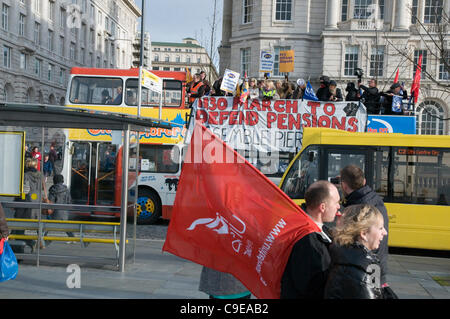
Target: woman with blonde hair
(355,269)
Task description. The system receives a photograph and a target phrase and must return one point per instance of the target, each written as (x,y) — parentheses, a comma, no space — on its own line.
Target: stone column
(402,14)
(332,14)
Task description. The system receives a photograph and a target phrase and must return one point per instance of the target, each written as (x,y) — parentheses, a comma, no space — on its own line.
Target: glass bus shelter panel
(81,153)
(106,173)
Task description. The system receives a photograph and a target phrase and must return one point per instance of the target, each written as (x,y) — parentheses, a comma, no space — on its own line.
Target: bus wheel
(148,208)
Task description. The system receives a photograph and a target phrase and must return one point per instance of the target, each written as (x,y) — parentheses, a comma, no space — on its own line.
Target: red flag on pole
(416,82)
(396,76)
(228,216)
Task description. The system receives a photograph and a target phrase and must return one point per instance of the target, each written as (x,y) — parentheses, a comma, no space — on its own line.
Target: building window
(177,58)
(6,57)
(417,54)
(377,61)
(37,33)
(50,40)
(363,9)
(50,72)
(5,17)
(245,60)
(62,18)
(433,11)
(351,60)
(247,11)
(444,66)
(276,64)
(344,10)
(167,59)
(414,11)
(429,118)
(156,58)
(37,6)
(72,52)
(37,67)
(62,76)
(23,61)
(188,59)
(283,10)
(381,8)
(61,45)
(51,10)
(22,24)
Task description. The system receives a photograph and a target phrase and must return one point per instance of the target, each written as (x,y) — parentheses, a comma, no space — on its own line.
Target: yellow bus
(410,172)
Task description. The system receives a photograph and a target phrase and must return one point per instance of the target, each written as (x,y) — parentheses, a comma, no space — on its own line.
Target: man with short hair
(306,272)
(371,97)
(355,190)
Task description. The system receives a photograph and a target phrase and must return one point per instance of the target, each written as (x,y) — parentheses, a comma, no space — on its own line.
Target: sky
(173,20)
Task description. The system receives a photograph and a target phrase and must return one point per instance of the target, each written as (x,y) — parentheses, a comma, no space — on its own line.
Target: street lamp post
(141,61)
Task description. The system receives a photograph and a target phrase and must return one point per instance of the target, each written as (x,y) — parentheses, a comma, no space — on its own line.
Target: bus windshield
(96,90)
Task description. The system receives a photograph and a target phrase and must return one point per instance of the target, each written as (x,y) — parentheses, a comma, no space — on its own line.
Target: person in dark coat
(371,97)
(323,93)
(335,92)
(352,92)
(355,270)
(355,190)
(306,271)
(4,231)
(395,90)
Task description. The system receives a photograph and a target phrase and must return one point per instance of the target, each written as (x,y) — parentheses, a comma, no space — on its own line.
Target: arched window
(429,115)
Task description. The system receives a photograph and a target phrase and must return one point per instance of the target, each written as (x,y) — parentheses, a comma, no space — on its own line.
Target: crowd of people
(376,101)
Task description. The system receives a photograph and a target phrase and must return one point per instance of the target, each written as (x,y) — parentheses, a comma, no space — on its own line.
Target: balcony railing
(362,25)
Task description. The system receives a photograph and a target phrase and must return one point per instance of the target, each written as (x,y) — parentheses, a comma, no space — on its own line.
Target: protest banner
(274,125)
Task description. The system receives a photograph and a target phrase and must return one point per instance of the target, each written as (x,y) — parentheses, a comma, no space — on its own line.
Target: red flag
(396,76)
(416,83)
(228,216)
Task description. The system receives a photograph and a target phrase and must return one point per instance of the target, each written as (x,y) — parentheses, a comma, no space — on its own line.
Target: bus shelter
(104,142)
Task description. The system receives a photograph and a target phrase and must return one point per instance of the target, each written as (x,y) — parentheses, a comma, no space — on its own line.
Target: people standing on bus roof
(395,91)
(352,92)
(305,277)
(371,97)
(323,92)
(356,191)
(205,82)
(300,90)
(197,89)
(335,92)
(355,269)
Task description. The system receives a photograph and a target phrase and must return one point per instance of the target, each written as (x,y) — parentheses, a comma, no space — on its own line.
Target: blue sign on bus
(391,124)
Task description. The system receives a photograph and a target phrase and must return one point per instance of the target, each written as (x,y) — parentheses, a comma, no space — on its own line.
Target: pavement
(158,275)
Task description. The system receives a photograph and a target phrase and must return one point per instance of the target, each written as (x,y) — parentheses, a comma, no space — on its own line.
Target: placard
(230,81)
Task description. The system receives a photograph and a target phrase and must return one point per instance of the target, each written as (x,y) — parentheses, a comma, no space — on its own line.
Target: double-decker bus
(92,161)
(410,172)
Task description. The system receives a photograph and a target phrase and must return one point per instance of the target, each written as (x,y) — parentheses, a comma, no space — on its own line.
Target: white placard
(266,61)
(230,81)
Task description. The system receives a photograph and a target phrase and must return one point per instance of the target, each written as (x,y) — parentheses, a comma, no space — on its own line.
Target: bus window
(337,160)
(420,176)
(380,171)
(96,90)
(171,98)
(303,173)
(159,158)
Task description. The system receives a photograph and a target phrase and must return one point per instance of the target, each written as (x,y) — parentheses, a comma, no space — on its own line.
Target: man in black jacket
(371,97)
(355,190)
(323,93)
(306,271)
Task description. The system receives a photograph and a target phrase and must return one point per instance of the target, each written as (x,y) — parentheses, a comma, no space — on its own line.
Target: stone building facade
(41,40)
(170,56)
(333,37)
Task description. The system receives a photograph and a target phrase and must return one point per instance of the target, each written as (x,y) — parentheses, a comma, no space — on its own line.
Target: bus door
(93,173)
